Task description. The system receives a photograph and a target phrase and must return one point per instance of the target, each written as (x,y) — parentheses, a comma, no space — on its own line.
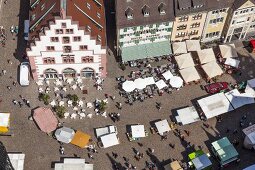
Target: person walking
(15,102)
(28,103)
(20,104)
(14,83)
(9,88)
(4,72)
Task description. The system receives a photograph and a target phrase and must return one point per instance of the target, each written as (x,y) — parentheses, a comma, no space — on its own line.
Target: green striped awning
(146,51)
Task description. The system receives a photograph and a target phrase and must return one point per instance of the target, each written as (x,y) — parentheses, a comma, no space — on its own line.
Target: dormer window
(146,11)
(129,13)
(162,9)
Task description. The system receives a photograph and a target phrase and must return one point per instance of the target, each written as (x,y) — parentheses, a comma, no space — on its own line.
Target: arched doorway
(51,73)
(69,72)
(87,72)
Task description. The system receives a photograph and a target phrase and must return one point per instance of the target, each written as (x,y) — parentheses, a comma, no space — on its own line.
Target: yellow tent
(80,139)
(4,122)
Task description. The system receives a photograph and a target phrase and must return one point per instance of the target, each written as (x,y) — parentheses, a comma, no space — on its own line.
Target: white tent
(162,126)
(215,105)
(176,82)
(64,134)
(167,75)
(249,140)
(17,160)
(206,55)
(140,83)
(249,90)
(149,80)
(73,163)
(128,86)
(109,140)
(232,62)
(161,84)
(179,47)
(189,74)
(184,61)
(228,50)
(105,130)
(137,131)
(187,115)
(238,99)
(212,69)
(193,45)
(4,119)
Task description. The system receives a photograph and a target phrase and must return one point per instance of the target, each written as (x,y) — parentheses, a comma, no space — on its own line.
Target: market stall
(80,139)
(193,45)
(149,80)
(162,126)
(128,86)
(215,105)
(140,84)
(199,160)
(136,132)
(249,139)
(228,50)
(232,62)
(187,115)
(105,130)
(250,88)
(175,165)
(206,56)
(64,134)
(179,47)
(176,82)
(189,74)
(167,75)
(4,122)
(109,140)
(212,69)
(184,61)
(161,84)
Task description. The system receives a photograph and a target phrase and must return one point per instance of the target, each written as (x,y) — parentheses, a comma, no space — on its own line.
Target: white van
(26,29)
(24,74)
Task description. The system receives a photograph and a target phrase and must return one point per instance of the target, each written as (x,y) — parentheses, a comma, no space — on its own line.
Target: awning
(140,84)
(167,75)
(212,69)
(137,131)
(162,126)
(80,139)
(232,62)
(228,50)
(184,61)
(128,86)
(206,55)
(176,82)
(215,105)
(193,45)
(109,140)
(149,80)
(189,74)
(142,51)
(179,47)
(64,134)
(45,119)
(238,99)
(187,115)
(161,84)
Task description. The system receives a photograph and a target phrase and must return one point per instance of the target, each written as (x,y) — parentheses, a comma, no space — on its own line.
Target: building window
(54,39)
(33,17)
(197,17)
(66,40)
(182,27)
(99,38)
(42,6)
(69,31)
(67,49)
(68,59)
(88,28)
(83,47)
(59,31)
(98,15)
(87,59)
(63,25)
(183,18)
(49,60)
(50,48)
(88,6)
(76,38)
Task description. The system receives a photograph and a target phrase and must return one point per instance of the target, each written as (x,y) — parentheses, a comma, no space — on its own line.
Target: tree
(74,98)
(102,106)
(44,97)
(60,110)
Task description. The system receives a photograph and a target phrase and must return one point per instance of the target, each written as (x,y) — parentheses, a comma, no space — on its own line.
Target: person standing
(4,72)
(28,103)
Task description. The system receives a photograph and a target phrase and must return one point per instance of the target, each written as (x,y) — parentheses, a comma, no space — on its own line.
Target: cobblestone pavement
(41,150)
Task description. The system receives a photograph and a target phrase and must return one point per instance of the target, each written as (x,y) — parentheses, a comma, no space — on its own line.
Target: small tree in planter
(74,98)
(60,110)
(102,106)
(44,97)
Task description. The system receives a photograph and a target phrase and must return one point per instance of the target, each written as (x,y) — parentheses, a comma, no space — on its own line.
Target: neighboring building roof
(219,4)
(184,7)
(90,14)
(238,3)
(136,8)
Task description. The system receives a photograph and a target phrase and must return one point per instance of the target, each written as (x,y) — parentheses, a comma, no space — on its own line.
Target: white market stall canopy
(179,47)
(64,134)
(187,115)
(105,130)
(176,82)
(109,140)
(149,80)
(161,84)
(189,74)
(167,75)
(215,105)
(193,45)
(206,55)
(232,62)
(4,119)
(212,69)
(228,50)
(249,90)
(137,131)
(162,126)
(128,86)
(17,160)
(237,99)
(140,84)
(184,61)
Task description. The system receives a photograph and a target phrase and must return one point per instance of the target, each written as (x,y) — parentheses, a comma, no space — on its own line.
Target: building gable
(247,4)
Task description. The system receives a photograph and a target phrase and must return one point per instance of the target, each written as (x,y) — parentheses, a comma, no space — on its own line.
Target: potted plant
(102,106)
(44,97)
(60,110)
(74,98)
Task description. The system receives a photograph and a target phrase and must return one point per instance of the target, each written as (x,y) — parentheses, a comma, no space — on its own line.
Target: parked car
(24,74)
(216,87)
